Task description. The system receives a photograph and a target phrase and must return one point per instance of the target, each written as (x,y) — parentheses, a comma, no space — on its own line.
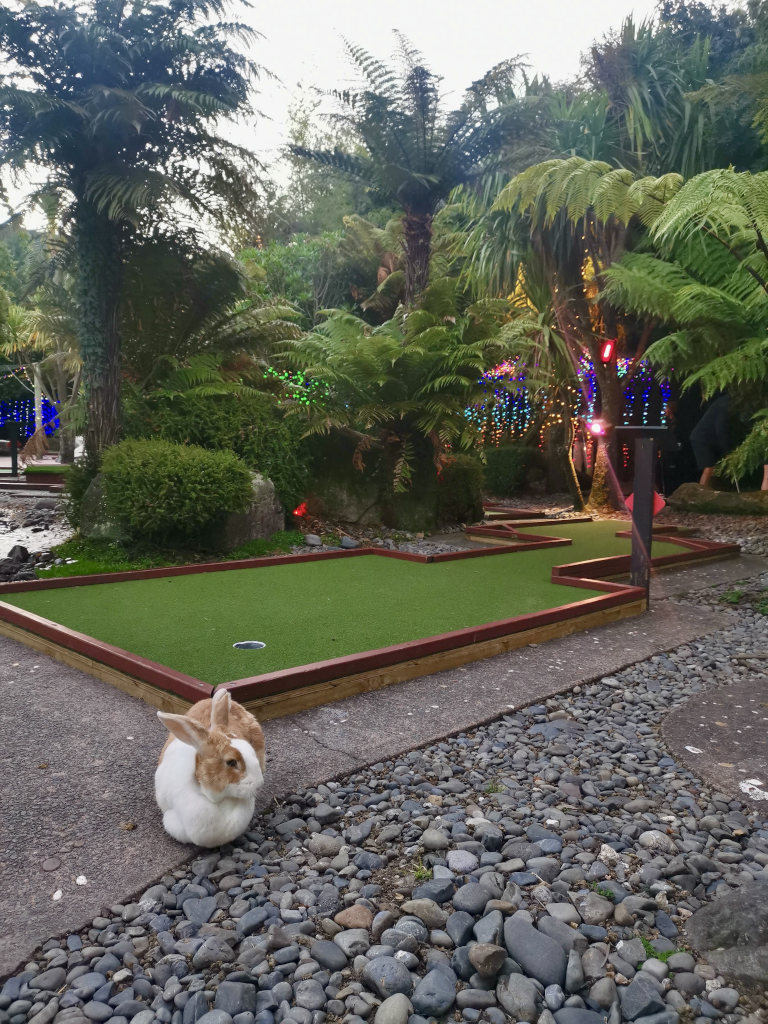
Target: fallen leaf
(127,826)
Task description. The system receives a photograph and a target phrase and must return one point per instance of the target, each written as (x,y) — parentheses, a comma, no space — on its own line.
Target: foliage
(163,491)
(250,424)
(53,469)
(413,153)
(405,382)
(97,556)
(79,478)
(122,106)
(709,286)
(460,490)
(509,467)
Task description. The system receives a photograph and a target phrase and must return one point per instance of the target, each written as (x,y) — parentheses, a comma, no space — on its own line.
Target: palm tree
(708,285)
(414,153)
(121,105)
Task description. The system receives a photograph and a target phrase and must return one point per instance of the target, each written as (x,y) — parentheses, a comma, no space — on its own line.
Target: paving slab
(78,756)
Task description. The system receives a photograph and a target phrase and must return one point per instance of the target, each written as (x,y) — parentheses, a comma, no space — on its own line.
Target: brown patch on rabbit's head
(219,764)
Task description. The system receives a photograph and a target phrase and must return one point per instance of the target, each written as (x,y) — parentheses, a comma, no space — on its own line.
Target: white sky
(460,40)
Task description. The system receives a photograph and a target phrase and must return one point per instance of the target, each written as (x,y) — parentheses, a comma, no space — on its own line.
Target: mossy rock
(692,497)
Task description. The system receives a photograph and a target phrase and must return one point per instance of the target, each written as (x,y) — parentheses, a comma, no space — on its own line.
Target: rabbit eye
(232,763)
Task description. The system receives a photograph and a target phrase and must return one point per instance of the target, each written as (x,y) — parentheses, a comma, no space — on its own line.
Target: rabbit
(209,771)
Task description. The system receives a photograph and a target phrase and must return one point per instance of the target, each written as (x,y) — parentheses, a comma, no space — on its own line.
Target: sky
(460,40)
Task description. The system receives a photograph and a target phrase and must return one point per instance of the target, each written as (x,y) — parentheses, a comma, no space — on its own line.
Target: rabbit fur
(209,772)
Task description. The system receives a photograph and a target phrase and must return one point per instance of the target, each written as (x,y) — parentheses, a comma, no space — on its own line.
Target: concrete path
(77,757)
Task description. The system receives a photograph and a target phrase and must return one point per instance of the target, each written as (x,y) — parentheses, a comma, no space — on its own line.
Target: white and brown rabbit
(209,771)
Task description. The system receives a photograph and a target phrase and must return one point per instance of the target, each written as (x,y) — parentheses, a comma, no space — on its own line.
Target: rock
(576,1015)
(328,954)
(435,994)
(356,916)
(487,959)
(460,926)
(324,846)
(310,995)
(349,543)
(471,898)
(594,909)
(353,942)
(725,999)
(213,951)
(427,911)
(519,997)
(654,839)
(48,981)
(235,997)
(396,1009)
(434,839)
(387,976)
(691,497)
(462,862)
(539,955)
(313,541)
(641,997)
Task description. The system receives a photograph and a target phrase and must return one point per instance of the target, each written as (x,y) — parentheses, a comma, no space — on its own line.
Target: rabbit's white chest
(188,815)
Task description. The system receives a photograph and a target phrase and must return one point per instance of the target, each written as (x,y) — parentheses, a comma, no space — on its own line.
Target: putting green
(310,611)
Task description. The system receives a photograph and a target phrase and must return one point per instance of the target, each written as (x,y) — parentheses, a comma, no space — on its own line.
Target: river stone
(427,911)
(740,917)
(487,958)
(519,997)
(569,938)
(655,839)
(324,846)
(434,839)
(641,997)
(603,993)
(575,1015)
(353,942)
(435,994)
(235,997)
(355,917)
(310,995)
(395,1009)
(50,980)
(564,912)
(538,954)
(386,976)
(328,954)
(460,926)
(594,909)
(490,928)
(462,861)
(471,898)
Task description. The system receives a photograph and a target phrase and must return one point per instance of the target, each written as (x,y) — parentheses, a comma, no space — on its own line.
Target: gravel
(541,868)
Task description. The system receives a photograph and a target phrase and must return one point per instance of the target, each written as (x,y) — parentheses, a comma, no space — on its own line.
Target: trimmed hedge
(252,426)
(165,492)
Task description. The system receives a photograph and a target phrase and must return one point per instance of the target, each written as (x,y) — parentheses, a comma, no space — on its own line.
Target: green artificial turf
(310,611)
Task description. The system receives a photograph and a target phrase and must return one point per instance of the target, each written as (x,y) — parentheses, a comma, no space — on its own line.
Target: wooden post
(642,513)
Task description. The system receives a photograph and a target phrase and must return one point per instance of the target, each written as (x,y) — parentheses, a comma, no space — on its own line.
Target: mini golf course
(331,624)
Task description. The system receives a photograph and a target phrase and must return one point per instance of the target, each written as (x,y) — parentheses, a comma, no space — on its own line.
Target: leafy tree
(708,284)
(566,222)
(122,104)
(405,382)
(414,153)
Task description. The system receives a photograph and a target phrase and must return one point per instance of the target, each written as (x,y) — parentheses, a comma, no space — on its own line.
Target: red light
(300,510)
(608,350)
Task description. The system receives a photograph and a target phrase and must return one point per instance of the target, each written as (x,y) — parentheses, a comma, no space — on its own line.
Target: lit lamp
(608,350)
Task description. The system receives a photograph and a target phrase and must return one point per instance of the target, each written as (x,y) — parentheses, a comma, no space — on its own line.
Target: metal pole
(642,513)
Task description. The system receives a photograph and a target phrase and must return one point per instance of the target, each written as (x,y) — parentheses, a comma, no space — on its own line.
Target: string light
(304,390)
(22,410)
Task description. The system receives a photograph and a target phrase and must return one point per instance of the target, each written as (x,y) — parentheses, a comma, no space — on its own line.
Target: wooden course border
(275,694)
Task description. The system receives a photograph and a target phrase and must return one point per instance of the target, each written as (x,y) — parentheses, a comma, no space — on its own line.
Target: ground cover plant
(311,611)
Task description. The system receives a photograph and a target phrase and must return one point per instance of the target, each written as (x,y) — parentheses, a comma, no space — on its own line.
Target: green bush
(165,492)
(252,426)
(52,469)
(509,468)
(460,491)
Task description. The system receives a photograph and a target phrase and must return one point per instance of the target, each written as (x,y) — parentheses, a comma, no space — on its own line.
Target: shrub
(509,467)
(460,491)
(251,426)
(168,492)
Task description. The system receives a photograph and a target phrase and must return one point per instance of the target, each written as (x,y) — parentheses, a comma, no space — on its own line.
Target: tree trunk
(417,246)
(99,253)
(606,492)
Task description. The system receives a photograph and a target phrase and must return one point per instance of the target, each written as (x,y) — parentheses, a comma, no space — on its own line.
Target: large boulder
(263,517)
(94,518)
(731,932)
(693,498)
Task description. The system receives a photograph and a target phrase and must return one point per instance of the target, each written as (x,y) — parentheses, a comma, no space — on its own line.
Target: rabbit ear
(220,705)
(185,729)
